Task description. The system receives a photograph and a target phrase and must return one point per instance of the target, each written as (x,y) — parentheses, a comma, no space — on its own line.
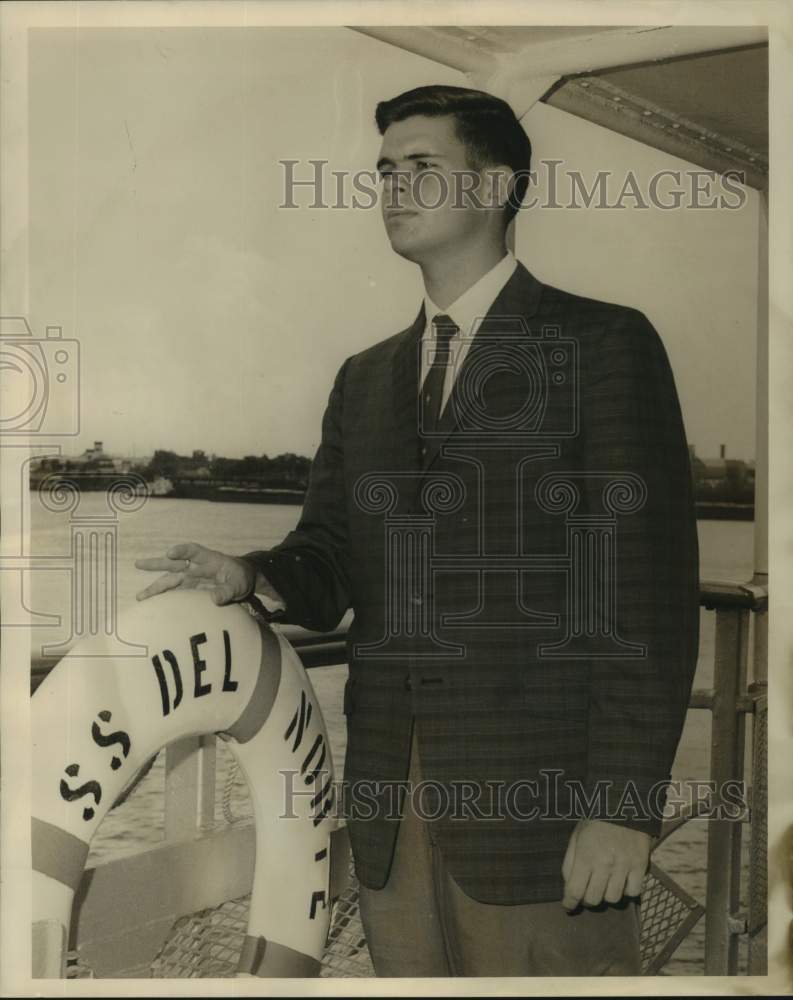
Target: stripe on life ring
(57,853)
(282,962)
(258,709)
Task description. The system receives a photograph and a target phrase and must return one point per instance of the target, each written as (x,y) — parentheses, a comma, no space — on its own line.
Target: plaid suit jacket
(526,592)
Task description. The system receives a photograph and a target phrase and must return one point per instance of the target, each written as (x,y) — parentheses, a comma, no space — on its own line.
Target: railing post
(189,787)
(757,963)
(758,863)
(727,754)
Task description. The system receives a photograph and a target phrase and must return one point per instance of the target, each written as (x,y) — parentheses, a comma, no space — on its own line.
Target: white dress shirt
(465,311)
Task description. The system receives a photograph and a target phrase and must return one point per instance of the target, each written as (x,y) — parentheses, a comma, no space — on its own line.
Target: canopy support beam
(525,77)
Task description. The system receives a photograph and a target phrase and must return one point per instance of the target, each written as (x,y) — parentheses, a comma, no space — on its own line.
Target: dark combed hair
(485,124)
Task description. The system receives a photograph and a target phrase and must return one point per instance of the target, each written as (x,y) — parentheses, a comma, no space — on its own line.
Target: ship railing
(179,908)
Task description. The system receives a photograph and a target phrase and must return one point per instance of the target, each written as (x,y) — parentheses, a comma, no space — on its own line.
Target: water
(726,554)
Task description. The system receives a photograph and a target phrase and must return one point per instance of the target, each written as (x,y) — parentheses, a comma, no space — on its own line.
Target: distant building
(714,468)
(92,460)
(95,454)
(722,479)
(697,465)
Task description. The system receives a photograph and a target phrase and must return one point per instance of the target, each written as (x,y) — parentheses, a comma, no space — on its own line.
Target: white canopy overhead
(697,93)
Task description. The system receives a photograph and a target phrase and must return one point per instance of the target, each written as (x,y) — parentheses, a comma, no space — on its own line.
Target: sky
(211,318)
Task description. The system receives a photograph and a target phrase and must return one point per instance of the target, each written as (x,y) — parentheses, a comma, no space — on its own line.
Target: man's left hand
(604,861)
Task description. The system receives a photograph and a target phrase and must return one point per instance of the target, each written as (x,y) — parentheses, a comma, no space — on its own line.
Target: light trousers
(421,923)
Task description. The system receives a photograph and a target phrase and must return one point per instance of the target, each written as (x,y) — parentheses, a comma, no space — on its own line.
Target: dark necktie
(432,390)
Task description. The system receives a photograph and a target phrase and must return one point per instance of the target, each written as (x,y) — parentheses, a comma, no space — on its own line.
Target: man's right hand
(191,566)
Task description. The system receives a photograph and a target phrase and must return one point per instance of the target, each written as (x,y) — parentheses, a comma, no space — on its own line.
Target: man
(502,495)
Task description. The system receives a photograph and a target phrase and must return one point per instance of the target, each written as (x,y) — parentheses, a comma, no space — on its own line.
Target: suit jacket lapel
(519,297)
(406,393)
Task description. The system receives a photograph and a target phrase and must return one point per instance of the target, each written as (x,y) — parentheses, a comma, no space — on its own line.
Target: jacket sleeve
(631,422)
(309,567)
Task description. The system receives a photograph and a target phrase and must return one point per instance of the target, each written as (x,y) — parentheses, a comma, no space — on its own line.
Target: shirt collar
(476,301)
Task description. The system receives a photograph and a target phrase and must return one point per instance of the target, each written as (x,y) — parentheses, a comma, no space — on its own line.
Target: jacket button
(408,684)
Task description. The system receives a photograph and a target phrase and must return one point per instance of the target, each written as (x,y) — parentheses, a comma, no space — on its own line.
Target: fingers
(178,581)
(596,887)
(167,582)
(592,886)
(192,566)
(575,886)
(615,889)
(191,551)
(569,858)
(190,558)
(223,594)
(162,565)
(634,882)
(604,862)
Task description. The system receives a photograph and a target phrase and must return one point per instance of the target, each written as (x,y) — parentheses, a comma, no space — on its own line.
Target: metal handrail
(324,649)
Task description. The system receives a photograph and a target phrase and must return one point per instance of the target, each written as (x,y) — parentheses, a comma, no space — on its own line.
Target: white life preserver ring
(97,719)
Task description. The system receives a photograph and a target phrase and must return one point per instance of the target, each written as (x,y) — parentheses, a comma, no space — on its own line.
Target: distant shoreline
(231,492)
(710,510)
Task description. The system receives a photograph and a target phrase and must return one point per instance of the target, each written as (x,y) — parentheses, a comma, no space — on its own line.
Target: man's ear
(499,185)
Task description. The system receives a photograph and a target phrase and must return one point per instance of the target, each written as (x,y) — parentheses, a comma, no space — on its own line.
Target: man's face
(423,163)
